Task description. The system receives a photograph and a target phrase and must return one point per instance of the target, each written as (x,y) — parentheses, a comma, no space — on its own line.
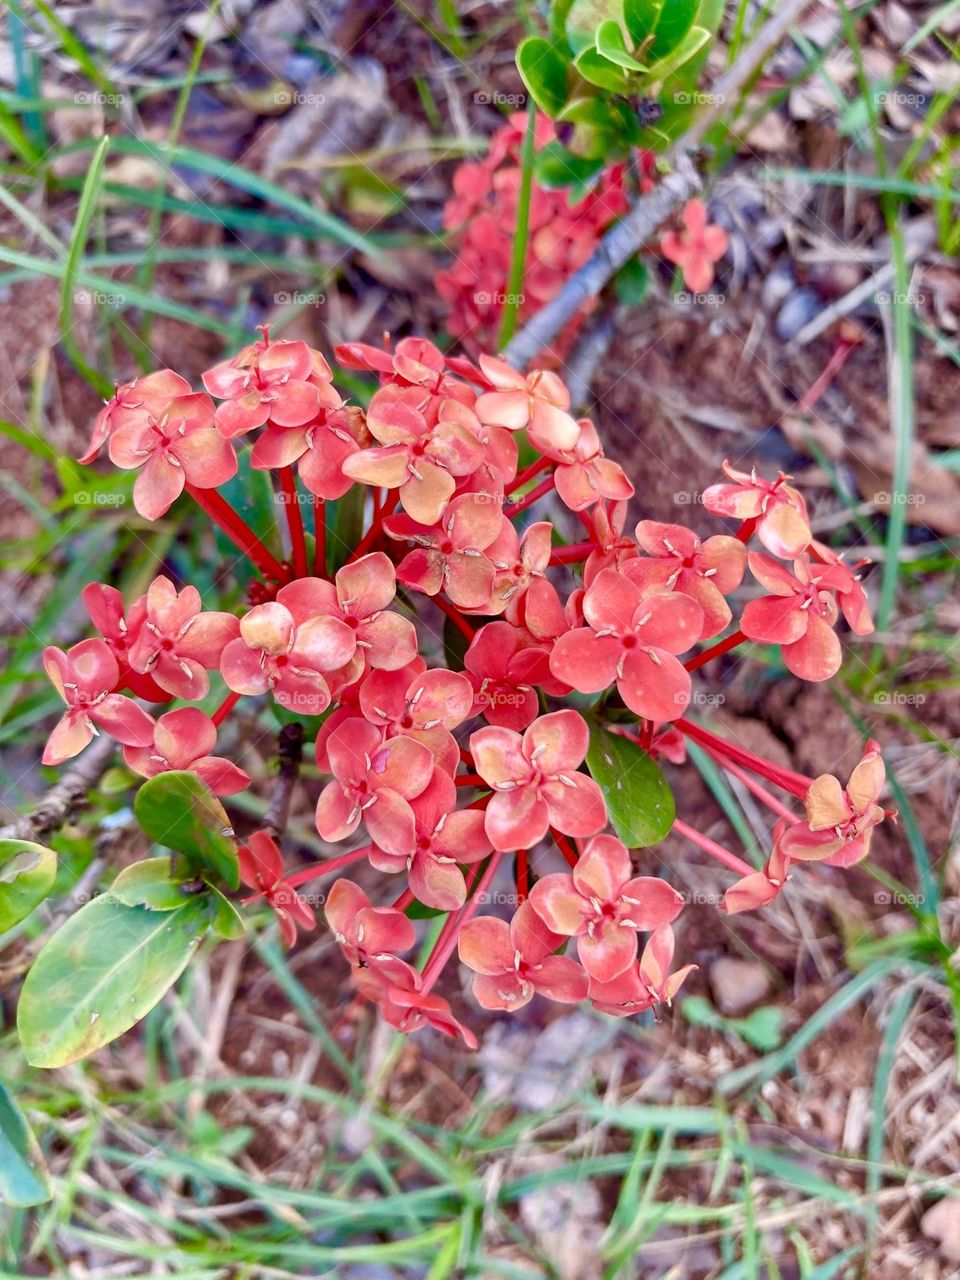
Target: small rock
(738,985)
(941,1223)
(777,287)
(799,309)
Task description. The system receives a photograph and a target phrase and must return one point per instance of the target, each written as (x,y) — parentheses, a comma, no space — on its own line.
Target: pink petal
(655,687)
(817,654)
(585,661)
(576,807)
(516,819)
(609,952)
(604,867)
(157,486)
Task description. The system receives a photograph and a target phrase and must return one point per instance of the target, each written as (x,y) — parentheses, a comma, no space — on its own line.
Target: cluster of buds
(448,776)
(481,217)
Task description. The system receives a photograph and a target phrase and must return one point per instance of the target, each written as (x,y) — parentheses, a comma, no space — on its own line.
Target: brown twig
(683,182)
(64,796)
(290,750)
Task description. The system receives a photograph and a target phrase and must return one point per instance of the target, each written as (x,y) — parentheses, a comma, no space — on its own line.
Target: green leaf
(596,69)
(149,884)
(227,921)
(544,72)
(23,1178)
(640,18)
(179,811)
(100,973)
(676,19)
(632,283)
(557,167)
(688,48)
(27,872)
(639,801)
(612,46)
(582,19)
(593,112)
(762,1029)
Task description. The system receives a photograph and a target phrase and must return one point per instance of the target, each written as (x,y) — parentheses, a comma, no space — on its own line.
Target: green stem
(511,306)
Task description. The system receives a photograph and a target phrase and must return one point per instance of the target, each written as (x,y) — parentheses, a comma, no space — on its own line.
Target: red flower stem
(796,783)
(325,868)
(729,860)
(320,538)
(225,707)
(237,530)
(563,844)
(471,780)
(455,616)
(817,388)
(376,526)
(530,498)
(298,541)
(522,876)
(404,900)
(573,554)
(745,532)
(450,933)
(466,757)
(715,651)
(528,473)
(756,788)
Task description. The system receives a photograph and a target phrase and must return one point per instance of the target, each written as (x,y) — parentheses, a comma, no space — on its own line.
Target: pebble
(799,309)
(738,985)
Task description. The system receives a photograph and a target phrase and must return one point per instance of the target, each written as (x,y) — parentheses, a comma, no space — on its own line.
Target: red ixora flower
(266,380)
(425,706)
(397,989)
(120,628)
(515,961)
(134,401)
(632,638)
(288,648)
(538,401)
(373,781)
(443,838)
(183,739)
(178,642)
(536,782)
(359,597)
(779,510)
(451,556)
(674,559)
(840,820)
(603,905)
(696,248)
(761,887)
(503,673)
(645,985)
(261,869)
(85,678)
(174,444)
(366,934)
(799,615)
(585,477)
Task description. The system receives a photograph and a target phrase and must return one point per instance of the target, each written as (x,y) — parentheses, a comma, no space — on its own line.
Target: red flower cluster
(482,218)
(440,774)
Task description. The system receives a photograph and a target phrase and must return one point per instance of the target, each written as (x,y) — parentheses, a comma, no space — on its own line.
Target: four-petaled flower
(632,638)
(675,559)
(86,677)
(450,556)
(366,934)
(603,905)
(515,961)
(266,380)
(646,985)
(536,782)
(261,869)
(175,444)
(538,401)
(696,248)
(779,510)
(120,628)
(840,820)
(134,401)
(178,642)
(502,671)
(425,707)
(373,781)
(799,615)
(183,739)
(585,477)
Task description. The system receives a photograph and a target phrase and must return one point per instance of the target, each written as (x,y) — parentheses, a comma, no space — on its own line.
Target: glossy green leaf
(639,801)
(179,811)
(582,19)
(227,922)
(640,18)
(100,973)
(632,282)
(149,884)
(612,46)
(695,39)
(597,70)
(27,873)
(23,1178)
(557,167)
(544,72)
(676,19)
(594,112)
